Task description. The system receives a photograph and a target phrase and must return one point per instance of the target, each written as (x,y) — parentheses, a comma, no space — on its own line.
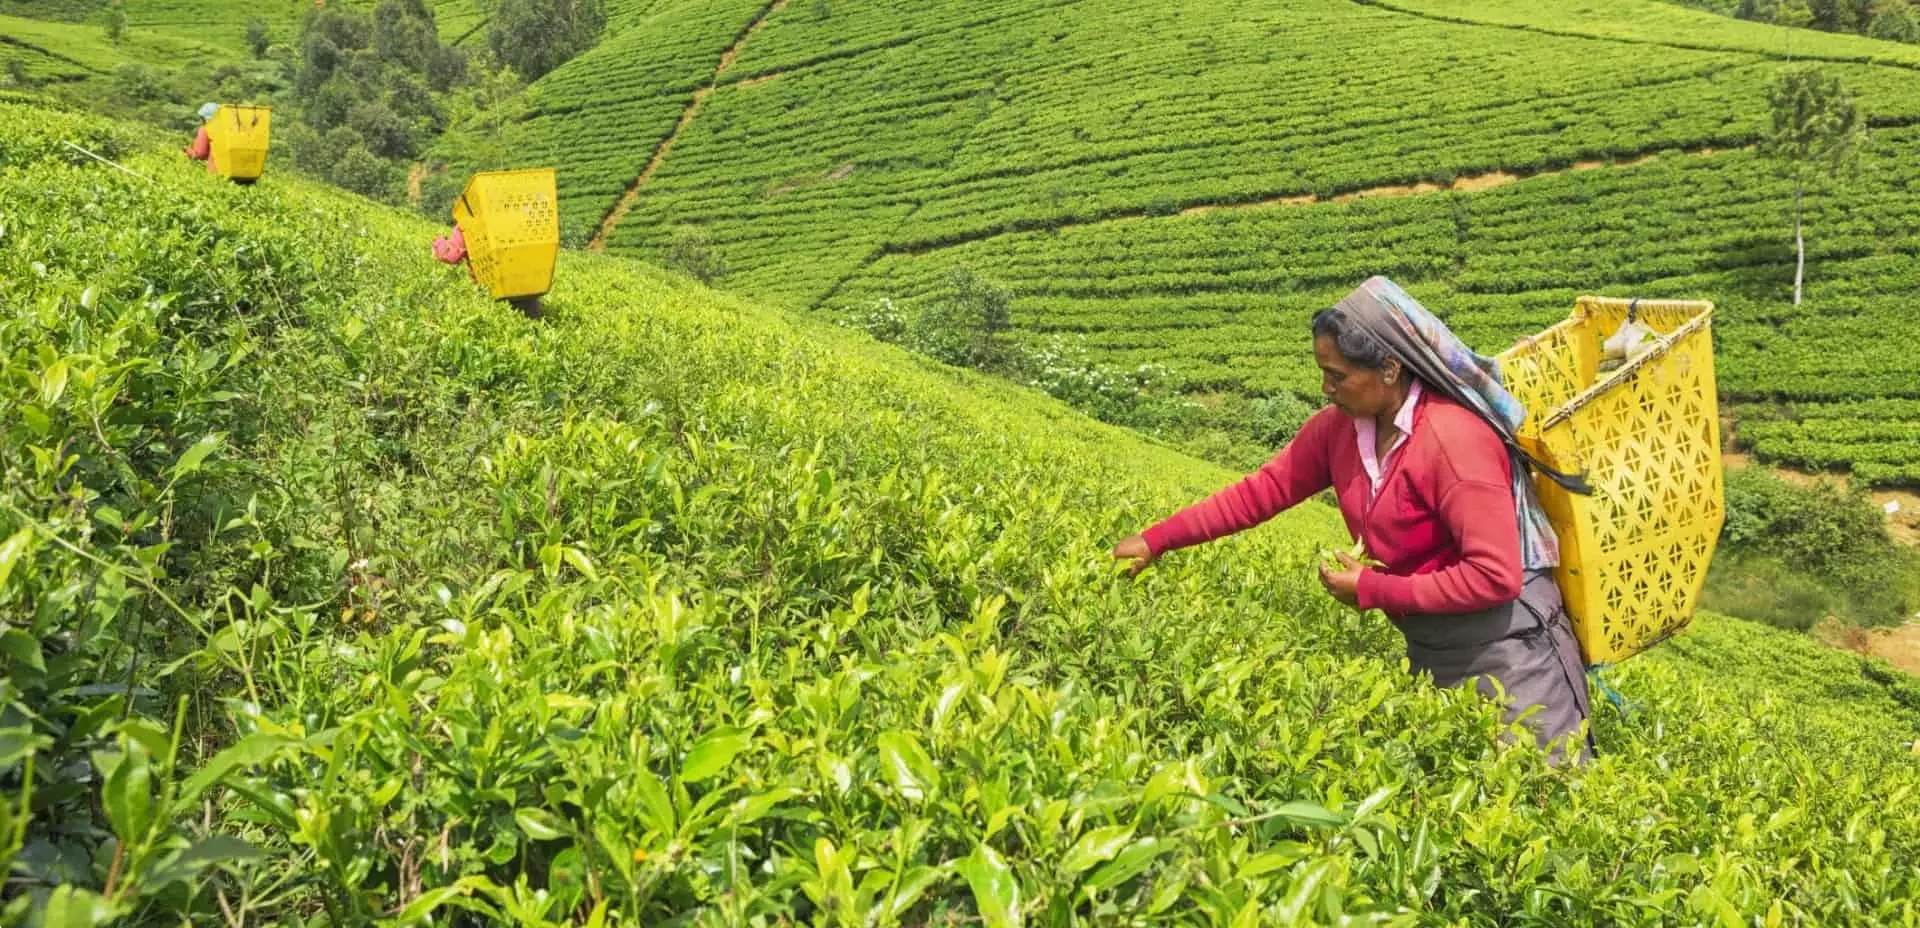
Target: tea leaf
(710,757)
(906,765)
(539,824)
(996,892)
(1096,846)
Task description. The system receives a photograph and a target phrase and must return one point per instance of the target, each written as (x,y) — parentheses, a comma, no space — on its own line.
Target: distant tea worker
(1418,444)
(451,248)
(202,147)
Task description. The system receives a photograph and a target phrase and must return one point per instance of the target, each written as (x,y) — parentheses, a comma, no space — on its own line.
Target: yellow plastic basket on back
(239,137)
(511,222)
(1634,554)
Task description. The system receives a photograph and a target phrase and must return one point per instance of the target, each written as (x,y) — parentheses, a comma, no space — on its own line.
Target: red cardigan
(202,148)
(1444,523)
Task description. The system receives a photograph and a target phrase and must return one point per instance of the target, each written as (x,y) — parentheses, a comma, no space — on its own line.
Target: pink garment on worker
(202,148)
(451,249)
(1368,434)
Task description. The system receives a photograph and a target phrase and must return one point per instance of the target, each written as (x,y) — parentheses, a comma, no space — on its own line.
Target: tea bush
(337,594)
(1792,554)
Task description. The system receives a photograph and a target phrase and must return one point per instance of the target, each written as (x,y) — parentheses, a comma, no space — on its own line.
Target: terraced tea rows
(52,50)
(850,154)
(1651,24)
(600,117)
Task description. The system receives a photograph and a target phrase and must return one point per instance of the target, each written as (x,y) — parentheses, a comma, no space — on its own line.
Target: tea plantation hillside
(57,52)
(1176,182)
(336,594)
(218,23)
(63,47)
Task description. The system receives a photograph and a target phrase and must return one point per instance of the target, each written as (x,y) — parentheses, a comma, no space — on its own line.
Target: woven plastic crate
(1634,554)
(511,222)
(239,136)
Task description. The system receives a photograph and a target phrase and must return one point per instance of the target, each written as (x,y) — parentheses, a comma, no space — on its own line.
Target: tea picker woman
(201,148)
(1418,445)
(451,248)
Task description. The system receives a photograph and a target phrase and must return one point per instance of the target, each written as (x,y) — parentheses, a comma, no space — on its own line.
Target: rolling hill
(1185,184)
(335,591)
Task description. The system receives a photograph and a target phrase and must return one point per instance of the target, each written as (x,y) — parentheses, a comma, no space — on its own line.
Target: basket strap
(1571,482)
(1619,702)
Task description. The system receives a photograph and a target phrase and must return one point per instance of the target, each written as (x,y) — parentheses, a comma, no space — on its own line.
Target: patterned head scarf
(1424,344)
(207,110)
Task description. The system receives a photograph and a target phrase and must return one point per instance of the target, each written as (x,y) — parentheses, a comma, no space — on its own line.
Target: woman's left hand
(1343,584)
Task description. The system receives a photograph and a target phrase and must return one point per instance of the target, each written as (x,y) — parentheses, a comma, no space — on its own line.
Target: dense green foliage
(360,87)
(218,23)
(1894,20)
(849,153)
(966,323)
(535,36)
(1071,153)
(1662,24)
(58,53)
(1792,554)
(368,91)
(333,591)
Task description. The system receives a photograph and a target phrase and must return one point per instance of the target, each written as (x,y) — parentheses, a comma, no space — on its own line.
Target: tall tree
(258,38)
(1817,134)
(536,36)
(1778,12)
(404,34)
(116,21)
(1895,20)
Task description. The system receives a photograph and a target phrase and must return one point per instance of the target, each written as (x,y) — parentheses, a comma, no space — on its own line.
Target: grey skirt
(1527,645)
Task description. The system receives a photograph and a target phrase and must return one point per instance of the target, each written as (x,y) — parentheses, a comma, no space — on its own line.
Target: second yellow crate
(1634,554)
(511,223)
(239,136)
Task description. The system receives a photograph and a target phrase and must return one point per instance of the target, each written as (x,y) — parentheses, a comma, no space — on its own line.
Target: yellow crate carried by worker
(238,136)
(511,223)
(1646,434)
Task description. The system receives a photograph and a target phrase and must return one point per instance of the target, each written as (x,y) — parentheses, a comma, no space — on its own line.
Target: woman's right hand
(1136,550)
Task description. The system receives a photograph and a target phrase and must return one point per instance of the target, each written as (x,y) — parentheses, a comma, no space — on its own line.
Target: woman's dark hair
(1354,343)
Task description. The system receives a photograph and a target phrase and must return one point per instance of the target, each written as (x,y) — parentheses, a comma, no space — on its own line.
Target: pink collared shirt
(1367,432)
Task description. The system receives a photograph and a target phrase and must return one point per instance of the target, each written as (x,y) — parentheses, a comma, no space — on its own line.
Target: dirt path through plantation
(1470,183)
(1899,646)
(732,54)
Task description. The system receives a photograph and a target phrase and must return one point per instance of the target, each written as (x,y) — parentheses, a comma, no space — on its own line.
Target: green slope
(673,605)
(598,119)
(220,24)
(1660,23)
(58,51)
(849,152)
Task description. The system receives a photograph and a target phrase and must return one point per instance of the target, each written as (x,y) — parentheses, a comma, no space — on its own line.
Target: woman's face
(1360,392)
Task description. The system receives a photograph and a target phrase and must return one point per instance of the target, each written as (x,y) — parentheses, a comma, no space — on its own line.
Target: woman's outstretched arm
(1296,473)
